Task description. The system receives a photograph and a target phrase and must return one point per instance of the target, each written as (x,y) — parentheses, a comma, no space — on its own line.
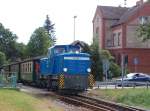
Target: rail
(96,104)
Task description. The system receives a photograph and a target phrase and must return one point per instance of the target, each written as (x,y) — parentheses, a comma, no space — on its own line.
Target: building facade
(116,30)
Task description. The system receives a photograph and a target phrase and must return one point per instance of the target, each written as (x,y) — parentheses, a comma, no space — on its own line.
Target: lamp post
(74,27)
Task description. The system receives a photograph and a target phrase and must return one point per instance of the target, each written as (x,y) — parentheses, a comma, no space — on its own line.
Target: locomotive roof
(63,46)
(81,54)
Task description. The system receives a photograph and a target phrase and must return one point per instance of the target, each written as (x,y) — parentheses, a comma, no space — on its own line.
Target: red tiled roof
(119,13)
(128,14)
(110,12)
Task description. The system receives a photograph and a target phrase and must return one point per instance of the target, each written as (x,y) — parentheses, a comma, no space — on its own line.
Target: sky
(22,17)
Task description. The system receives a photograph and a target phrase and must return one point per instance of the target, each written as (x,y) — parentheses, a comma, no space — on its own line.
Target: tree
(21,50)
(50,29)
(97,55)
(2,58)
(39,43)
(7,42)
(96,60)
(148,0)
(143,32)
(86,48)
(114,69)
(105,54)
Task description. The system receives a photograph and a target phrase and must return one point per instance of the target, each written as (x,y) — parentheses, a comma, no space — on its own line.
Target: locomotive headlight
(65,69)
(89,70)
(77,52)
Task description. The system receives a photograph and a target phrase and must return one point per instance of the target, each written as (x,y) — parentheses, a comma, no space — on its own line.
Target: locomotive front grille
(78,82)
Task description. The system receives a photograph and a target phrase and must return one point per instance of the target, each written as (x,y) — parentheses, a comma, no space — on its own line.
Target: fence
(8,80)
(119,84)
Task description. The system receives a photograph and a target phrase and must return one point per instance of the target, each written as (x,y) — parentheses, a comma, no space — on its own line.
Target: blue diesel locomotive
(66,68)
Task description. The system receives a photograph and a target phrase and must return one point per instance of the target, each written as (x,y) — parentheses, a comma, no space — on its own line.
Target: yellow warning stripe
(61,81)
(91,80)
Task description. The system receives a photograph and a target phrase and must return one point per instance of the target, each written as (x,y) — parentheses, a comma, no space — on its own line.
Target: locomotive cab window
(59,50)
(74,50)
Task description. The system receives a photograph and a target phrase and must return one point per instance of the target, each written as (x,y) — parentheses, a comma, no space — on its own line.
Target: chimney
(139,3)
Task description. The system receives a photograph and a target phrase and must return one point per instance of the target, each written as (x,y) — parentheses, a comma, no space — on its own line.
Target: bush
(2,58)
(115,70)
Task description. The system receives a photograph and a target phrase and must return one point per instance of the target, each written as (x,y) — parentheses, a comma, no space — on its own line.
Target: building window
(97,32)
(97,20)
(114,40)
(119,35)
(109,43)
(143,20)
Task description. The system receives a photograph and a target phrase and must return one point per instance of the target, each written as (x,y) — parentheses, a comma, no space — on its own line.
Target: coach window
(22,67)
(30,67)
(27,67)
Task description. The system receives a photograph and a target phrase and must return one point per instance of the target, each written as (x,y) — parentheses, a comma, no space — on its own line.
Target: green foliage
(86,48)
(133,97)
(21,50)
(143,32)
(2,58)
(97,55)
(105,54)
(39,43)
(13,100)
(115,70)
(50,29)
(148,0)
(96,60)
(7,42)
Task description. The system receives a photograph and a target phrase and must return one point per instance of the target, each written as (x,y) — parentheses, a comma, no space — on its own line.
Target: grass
(133,97)
(13,100)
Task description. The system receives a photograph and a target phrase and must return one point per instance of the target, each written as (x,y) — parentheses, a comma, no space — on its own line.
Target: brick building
(116,29)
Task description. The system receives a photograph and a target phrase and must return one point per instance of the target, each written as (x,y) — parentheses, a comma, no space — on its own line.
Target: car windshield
(131,75)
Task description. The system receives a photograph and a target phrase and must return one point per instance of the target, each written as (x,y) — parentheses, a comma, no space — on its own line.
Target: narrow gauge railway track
(96,105)
(83,101)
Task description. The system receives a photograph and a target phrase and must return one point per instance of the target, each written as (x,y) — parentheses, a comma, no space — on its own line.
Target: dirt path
(49,98)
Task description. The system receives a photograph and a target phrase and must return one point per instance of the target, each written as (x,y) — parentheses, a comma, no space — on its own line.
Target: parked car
(134,79)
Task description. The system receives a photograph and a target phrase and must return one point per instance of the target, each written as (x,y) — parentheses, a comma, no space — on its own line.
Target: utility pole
(122,70)
(74,27)
(125,3)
